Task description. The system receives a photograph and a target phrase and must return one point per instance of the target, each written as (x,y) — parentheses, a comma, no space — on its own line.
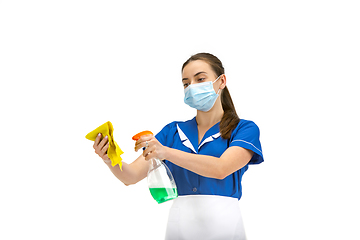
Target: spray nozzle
(137,136)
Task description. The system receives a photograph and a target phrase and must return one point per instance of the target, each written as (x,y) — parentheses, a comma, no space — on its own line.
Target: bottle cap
(137,136)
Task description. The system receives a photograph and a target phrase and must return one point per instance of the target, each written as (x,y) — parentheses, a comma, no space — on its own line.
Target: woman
(207,156)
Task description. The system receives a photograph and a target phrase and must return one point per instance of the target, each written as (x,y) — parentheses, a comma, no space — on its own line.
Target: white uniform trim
(247,143)
(184,139)
(186,142)
(209,139)
(182,135)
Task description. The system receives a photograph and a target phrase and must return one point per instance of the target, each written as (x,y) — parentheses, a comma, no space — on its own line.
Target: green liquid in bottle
(163,194)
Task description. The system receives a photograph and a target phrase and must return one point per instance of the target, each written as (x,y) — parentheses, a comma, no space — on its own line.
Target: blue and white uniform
(207,208)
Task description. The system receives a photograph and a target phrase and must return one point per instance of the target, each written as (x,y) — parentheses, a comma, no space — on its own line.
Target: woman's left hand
(153,148)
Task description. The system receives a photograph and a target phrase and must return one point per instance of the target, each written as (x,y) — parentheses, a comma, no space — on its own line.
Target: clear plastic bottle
(161,182)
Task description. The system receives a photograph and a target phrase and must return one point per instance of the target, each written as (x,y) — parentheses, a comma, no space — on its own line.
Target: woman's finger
(105,148)
(103,142)
(147,151)
(141,145)
(97,140)
(150,155)
(101,146)
(137,146)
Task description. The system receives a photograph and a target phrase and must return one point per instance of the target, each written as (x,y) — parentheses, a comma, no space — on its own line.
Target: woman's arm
(131,173)
(233,159)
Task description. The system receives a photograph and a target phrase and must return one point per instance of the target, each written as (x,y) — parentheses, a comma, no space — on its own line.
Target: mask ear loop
(217,78)
(215,81)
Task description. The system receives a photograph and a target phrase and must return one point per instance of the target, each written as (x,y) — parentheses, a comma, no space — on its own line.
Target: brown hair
(230,119)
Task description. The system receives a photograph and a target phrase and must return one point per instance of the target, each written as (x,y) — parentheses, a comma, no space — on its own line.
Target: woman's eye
(201,79)
(186,85)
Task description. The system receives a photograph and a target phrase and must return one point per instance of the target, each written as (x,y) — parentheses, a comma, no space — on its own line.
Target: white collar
(186,142)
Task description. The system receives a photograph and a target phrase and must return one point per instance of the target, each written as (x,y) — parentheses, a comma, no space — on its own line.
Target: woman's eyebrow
(194,75)
(199,73)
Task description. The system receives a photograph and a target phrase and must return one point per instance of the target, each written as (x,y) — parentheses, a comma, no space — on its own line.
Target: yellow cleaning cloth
(114,150)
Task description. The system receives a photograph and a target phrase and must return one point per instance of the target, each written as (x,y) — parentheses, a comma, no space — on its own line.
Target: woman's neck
(210,118)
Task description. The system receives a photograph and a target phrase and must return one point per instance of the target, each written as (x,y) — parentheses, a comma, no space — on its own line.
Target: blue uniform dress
(195,190)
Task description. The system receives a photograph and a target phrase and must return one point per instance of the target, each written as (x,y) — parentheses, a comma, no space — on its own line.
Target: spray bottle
(161,183)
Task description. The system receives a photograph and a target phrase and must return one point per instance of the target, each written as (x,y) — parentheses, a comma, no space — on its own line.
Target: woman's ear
(222,81)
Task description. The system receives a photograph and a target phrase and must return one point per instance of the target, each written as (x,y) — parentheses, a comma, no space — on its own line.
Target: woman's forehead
(195,67)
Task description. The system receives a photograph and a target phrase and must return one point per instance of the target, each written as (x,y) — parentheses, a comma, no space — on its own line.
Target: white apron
(207,217)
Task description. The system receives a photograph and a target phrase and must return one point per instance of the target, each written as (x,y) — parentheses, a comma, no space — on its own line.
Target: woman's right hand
(101,146)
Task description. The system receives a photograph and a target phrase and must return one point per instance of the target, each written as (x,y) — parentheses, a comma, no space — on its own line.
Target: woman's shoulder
(174,124)
(246,125)
(167,134)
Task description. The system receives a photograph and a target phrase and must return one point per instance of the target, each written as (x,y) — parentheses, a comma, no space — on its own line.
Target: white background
(67,67)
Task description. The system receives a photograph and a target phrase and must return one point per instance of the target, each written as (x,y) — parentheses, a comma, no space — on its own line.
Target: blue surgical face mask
(201,96)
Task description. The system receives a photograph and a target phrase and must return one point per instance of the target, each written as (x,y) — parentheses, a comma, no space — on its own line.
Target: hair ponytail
(230,119)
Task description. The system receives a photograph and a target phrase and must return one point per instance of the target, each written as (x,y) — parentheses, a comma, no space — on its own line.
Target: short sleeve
(247,135)
(166,135)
